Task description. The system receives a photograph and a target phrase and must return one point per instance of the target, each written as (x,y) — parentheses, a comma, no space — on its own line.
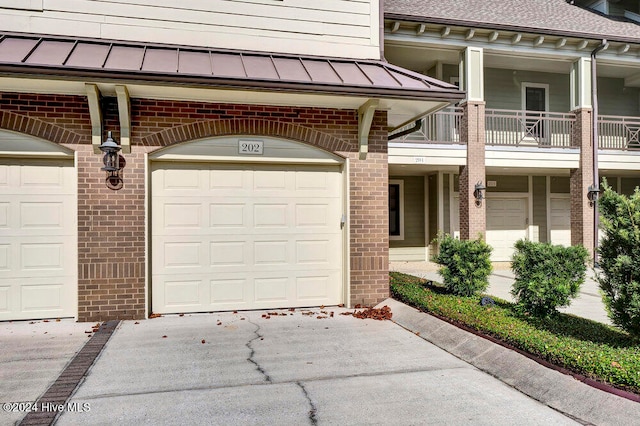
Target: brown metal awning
(32,55)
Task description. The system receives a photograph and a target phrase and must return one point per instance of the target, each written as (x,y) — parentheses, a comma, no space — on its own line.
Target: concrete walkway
(588,304)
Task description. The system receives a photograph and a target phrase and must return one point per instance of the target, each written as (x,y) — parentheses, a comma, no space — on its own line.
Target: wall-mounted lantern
(593,194)
(478,193)
(113,163)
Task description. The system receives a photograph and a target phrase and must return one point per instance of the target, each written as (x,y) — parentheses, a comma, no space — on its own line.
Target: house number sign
(247,147)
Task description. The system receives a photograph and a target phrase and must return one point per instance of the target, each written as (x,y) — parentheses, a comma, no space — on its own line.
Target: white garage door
(560,229)
(38,244)
(506,224)
(245,236)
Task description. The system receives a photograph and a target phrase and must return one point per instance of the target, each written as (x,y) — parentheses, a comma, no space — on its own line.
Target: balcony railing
(443,127)
(528,128)
(618,132)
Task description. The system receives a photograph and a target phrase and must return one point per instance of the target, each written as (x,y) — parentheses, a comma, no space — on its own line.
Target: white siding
(342,28)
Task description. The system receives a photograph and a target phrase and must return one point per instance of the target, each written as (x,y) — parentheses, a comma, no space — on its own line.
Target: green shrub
(547,276)
(465,265)
(595,350)
(620,258)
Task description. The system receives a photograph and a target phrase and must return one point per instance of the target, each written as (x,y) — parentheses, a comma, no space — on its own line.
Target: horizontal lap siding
(343,28)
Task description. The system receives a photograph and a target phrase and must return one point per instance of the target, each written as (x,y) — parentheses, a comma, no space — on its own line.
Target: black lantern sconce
(113,163)
(593,194)
(478,193)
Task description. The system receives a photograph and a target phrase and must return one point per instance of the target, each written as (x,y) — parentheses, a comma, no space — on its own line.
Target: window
(396,211)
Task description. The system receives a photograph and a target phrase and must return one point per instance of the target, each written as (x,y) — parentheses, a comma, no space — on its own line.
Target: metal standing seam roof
(96,58)
(539,16)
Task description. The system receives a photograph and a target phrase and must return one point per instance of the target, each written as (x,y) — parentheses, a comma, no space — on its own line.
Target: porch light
(478,193)
(593,194)
(113,163)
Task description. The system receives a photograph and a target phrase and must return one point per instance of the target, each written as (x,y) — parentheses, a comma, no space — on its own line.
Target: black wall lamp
(478,193)
(593,194)
(113,163)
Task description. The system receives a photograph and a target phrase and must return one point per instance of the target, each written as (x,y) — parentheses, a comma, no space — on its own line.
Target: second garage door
(245,236)
(506,224)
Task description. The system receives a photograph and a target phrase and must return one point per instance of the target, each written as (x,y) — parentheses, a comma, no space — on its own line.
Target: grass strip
(594,350)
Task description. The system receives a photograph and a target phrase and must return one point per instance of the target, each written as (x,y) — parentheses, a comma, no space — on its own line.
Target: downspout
(381,30)
(416,126)
(594,143)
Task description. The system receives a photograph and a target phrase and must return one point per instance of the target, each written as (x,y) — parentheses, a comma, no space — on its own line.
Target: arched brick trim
(37,128)
(257,127)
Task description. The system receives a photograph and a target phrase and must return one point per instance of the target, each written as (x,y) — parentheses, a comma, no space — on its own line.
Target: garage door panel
(38,249)
(560,229)
(37,297)
(506,224)
(268,235)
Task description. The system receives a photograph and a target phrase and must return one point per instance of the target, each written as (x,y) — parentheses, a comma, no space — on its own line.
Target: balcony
(618,132)
(443,127)
(526,128)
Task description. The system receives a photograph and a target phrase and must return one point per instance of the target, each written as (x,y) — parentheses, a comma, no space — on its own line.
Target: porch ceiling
(421,58)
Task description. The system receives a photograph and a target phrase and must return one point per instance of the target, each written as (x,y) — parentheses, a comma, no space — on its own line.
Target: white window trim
(400,184)
(544,86)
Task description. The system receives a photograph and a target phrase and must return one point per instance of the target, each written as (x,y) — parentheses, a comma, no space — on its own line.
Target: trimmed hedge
(466,265)
(620,258)
(547,276)
(583,346)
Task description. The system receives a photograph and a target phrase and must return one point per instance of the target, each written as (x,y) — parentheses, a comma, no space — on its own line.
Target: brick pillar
(111,239)
(369,227)
(582,214)
(472,216)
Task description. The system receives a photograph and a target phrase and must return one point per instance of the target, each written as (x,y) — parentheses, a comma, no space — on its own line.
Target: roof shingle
(554,16)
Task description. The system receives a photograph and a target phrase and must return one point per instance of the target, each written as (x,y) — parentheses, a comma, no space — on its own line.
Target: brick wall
(582,214)
(111,224)
(472,216)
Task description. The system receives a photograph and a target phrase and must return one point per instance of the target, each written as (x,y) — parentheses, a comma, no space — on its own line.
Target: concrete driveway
(289,369)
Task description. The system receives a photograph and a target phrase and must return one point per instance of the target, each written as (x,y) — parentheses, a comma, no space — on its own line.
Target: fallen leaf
(331,314)
(219,323)
(180,315)
(32,322)
(321,306)
(45,321)
(164,337)
(379,314)
(235,312)
(616,364)
(136,322)
(321,317)
(46,332)
(203,342)
(341,305)
(88,331)
(57,319)
(292,309)
(417,333)
(152,315)
(241,319)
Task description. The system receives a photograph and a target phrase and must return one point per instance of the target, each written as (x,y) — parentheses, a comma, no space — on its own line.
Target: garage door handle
(343,221)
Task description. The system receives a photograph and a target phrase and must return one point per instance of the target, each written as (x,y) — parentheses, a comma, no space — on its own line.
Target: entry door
(535,99)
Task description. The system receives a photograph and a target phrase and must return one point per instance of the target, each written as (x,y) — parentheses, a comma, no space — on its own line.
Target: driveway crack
(252,354)
(313,410)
